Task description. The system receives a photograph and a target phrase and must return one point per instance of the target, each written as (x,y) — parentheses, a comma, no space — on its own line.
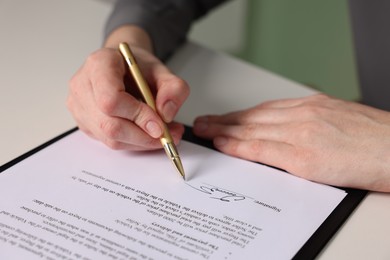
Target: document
(77,199)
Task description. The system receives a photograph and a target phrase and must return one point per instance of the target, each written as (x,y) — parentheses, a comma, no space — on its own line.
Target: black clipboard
(313,245)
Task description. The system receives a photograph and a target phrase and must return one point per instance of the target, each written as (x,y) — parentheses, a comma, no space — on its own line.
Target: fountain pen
(166,139)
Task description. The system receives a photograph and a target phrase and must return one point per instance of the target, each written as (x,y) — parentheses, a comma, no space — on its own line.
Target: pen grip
(143,87)
(149,99)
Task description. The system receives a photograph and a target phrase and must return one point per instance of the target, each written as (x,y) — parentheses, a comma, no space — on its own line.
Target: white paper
(77,199)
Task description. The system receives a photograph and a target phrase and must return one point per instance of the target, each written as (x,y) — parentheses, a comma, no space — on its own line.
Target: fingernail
(153,129)
(169,111)
(220,141)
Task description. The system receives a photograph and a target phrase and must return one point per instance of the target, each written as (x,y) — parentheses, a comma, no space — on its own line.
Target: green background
(307,41)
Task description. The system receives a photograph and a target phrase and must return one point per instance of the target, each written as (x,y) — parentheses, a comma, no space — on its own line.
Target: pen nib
(179,166)
(172,153)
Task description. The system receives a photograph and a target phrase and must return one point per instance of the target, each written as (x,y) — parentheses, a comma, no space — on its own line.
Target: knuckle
(321,96)
(139,113)
(307,130)
(176,85)
(111,129)
(96,56)
(183,86)
(110,57)
(107,104)
(93,59)
(265,104)
(255,148)
(249,131)
(311,110)
(232,147)
(248,116)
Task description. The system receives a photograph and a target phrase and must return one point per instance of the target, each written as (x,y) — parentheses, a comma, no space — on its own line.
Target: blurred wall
(306,41)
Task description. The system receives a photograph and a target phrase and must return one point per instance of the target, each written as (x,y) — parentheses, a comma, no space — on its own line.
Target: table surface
(44,42)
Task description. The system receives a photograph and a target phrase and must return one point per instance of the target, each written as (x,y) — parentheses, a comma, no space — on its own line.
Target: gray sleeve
(166,21)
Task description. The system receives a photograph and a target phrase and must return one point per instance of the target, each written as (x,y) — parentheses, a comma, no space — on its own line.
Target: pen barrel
(166,139)
(148,97)
(141,83)
(143,87)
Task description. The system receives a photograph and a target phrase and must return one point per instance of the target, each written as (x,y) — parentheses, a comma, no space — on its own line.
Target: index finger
(110,94)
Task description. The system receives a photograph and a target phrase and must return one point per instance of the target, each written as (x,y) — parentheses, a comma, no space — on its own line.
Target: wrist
(133,35)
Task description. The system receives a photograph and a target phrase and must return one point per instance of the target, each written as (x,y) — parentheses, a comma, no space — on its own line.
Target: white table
(43,42)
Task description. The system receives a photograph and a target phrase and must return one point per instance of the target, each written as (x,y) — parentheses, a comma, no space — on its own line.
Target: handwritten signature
(219,193)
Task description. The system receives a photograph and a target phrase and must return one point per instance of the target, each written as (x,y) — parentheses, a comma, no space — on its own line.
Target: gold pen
(166,139)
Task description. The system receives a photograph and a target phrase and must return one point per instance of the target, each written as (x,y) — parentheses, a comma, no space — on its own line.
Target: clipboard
(313,245)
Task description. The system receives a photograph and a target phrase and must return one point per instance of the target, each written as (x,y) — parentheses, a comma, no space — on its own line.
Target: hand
(103,107)
(319,138)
